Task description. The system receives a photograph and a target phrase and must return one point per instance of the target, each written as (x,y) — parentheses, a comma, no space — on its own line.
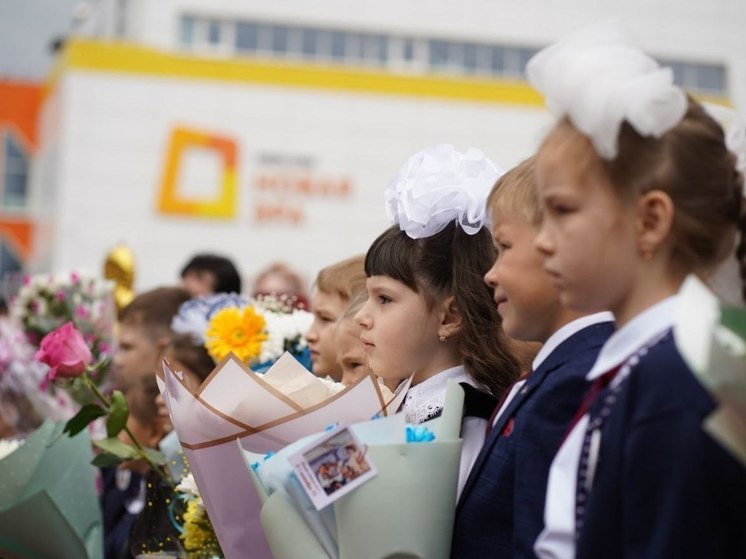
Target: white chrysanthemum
(283,328)
(188,485)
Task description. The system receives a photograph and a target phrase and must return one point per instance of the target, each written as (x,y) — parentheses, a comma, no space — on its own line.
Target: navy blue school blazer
(501,509)
(663,487)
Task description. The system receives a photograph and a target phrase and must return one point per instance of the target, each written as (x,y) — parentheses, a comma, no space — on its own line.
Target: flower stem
(140,449)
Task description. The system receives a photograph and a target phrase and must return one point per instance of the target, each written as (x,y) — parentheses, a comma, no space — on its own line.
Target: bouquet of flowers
(364,519)
(198,535)
(45,302)
(257,331)
(23,406)
(264,411)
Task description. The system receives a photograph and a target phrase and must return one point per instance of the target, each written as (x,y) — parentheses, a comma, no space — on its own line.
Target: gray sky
(26,30)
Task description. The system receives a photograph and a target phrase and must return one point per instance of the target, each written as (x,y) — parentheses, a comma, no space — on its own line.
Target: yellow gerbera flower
(240,331)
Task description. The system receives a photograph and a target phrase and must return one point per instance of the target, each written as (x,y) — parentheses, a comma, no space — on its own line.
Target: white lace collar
(425,400)
(643,328)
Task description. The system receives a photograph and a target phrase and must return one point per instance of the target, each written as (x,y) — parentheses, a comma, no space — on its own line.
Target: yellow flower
(198,536)
(240,331)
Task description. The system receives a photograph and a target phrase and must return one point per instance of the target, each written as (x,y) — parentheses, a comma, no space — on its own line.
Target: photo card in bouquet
(332,466)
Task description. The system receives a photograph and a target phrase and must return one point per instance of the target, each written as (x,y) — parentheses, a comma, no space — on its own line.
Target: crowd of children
(548,292)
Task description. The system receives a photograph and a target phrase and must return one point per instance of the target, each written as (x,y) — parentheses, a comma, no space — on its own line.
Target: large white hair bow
(598,78)
(439,185)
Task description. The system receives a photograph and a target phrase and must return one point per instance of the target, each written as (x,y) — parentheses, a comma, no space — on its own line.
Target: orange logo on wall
(172,200)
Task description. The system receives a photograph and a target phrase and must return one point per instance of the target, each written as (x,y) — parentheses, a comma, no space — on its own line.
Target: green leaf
(156,456)
(86,415)
(106,460)
(118,413)
(114,446)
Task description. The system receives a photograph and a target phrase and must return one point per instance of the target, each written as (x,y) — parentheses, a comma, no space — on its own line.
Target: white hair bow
(439,185)
(599,78)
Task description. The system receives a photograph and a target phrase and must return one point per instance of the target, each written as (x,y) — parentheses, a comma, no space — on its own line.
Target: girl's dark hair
(690,163)
(453,263)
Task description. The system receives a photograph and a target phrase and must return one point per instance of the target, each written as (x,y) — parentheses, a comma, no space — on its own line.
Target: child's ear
(655,213)
(451,319)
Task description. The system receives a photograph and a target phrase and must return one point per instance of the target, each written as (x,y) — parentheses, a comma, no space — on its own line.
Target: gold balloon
(119,267)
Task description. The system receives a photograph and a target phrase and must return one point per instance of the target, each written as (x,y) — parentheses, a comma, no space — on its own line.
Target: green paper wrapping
(48,501)
(406,511)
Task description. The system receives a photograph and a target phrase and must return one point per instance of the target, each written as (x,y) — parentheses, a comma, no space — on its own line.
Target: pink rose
(65,351)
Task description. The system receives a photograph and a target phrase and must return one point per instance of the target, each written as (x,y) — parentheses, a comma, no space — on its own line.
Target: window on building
(710,78)
(279,39)
(438,53)
(374,49)
(470,57)
(308,42)
(399,53)
(186,30)
(15,173)
(246,37)
(214,32)
(10,263)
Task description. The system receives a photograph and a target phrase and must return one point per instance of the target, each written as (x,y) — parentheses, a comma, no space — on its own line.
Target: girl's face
(326,309)
(351,351)
(399,332)
(588,235)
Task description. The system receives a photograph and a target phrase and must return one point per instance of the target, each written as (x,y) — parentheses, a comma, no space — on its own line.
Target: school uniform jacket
(663,487)
(500,512)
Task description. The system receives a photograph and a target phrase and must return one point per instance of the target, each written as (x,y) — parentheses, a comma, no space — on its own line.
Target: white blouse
(426,399)
(557,540)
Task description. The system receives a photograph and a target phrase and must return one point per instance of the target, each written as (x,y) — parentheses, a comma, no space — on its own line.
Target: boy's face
(326,308)
(137,354)
(351,352)
(526,299)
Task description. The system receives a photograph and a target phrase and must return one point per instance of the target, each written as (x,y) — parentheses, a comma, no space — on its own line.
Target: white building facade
(268,131)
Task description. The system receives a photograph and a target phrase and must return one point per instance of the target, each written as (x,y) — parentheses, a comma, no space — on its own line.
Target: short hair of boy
(227,278)
(515,192)
(346,278)
(153,310)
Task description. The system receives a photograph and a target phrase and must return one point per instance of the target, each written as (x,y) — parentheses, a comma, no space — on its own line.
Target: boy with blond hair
(501,509)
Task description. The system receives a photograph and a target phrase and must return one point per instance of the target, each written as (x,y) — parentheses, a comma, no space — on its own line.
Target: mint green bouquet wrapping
(48,501)
(711,337)
(406,510)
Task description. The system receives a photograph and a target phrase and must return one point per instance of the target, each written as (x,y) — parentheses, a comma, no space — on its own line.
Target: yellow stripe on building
(131,59)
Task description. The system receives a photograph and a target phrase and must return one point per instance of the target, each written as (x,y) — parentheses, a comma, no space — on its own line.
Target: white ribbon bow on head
(439,185)
(599,78)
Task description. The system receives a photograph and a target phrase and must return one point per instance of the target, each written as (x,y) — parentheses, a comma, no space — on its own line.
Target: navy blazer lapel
(595,334)
(532,382)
